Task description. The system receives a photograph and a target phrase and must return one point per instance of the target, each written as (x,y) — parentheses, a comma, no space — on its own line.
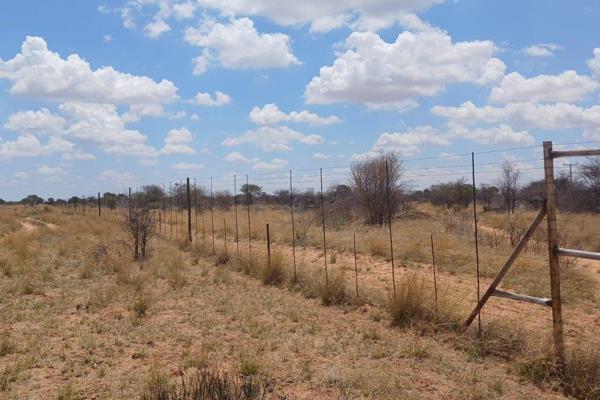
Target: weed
(273,272)
(409,304)
(333,290)
(249,365)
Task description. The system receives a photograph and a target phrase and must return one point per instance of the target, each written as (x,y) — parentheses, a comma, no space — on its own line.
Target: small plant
(249,365)
(206,384)
(141,306)
(7,346)
(273,272)
(332,291)
(409,304)
(222,257)
(333,258)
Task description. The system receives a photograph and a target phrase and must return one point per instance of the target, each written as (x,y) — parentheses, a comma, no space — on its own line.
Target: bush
(205,384)
(409,304)
(334,291)
(273,273)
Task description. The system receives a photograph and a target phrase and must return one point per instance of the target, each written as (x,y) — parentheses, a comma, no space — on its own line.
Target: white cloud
(542,50)
(219,99)
(565,87)
(117,177)
(274,165)
(270,138)
(101,125)
(270,114)
(39,73)
(594,63)
(28,145)
(422,63)
(187,166)
(156,28)
(321,156)
(502,134)
(524,115)
(137,111)
(237,157)
(407,143)
(177,142)
(36,122)
(321,15)
(237,45)
(108,38)
(44,172)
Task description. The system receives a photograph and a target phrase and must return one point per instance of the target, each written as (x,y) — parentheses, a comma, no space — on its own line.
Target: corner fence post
(476,224)
(557,325)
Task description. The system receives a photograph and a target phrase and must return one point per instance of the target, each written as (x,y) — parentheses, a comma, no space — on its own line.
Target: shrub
(273,273)
(409,304)
(204,385)
(222,257)
(334,291)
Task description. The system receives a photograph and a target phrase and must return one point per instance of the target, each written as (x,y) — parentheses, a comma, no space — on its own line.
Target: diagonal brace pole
(507,265)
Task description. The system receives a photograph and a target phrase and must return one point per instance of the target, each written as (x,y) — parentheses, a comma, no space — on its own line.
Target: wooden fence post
(189,209)
(557,326)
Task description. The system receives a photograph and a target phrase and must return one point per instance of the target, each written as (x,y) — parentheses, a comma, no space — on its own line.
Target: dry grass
(79,316)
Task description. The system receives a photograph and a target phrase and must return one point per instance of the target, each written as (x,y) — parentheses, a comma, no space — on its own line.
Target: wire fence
(456,253)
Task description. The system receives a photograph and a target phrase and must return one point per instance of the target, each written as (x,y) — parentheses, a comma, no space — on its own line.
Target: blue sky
(95,96)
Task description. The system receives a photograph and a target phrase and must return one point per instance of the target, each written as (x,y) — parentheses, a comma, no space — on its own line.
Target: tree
(2,202)
(486,194)
(32,200)
(508,183)
(458,193)
(140,224)
(589,174)
(370,179)
(250,192)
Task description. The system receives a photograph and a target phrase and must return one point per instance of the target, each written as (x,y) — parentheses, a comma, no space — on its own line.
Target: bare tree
(508,183)
(140,224)
(370,180)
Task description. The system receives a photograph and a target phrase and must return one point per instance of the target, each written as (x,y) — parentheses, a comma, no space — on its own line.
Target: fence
(440,241)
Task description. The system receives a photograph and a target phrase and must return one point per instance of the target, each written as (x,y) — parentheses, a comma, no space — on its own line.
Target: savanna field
(80,319)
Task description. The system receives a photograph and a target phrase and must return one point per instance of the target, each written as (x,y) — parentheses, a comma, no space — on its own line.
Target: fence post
(248,209)
(434,277)
(557,328)
(355,266)
(195,213)
(476,223)
(99,206)
(189,209)
(129,203)
(171,208)
(225,234)
(212,215)
(237,242)
(323,223)
(387,190)
(293,228)
(268,247)
(83,203)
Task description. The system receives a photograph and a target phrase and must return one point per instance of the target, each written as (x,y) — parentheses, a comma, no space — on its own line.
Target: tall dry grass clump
(332,291)
(273,272)
(206,384)
(410,304)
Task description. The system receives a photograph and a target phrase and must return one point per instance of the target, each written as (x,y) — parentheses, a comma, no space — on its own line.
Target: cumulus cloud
(542,50)
(44,172)
(502,134)
(219,99)
(270,114)
(274,165)
(407,143)
(187,166)
(565,87)
(156,28)
(236,156)
(321,15)
(101,125)
(36,122)
(177,142)
(270,138)
(321,156)
(28,145)
(117,177)
(238,45)
(523,115)
(380,74)
(39,73)
(594,63)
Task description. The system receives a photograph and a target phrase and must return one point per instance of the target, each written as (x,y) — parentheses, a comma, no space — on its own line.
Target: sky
(98,96)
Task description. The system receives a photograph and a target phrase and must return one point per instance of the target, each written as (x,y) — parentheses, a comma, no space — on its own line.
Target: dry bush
(581,377)
(273,273)
(206,384)
(378,246)
(333,291)
(222,256)
(411,302)
(499,339)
